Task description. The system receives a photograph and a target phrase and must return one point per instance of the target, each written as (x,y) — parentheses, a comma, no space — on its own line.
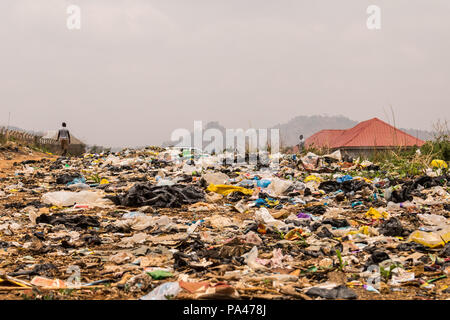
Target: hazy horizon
(139,69)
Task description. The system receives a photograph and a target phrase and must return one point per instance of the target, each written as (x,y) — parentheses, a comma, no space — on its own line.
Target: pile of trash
(153,225)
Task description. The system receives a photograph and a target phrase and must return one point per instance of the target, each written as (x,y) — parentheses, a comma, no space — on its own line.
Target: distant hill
(421,134)
(209,125)
(291,130)
(308,125)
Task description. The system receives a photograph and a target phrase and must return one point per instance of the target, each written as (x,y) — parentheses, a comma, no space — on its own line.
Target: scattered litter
(158,224)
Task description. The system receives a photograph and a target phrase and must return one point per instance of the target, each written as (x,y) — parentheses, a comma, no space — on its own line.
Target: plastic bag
(81,180)
(67,198)
(431,239)
(247,183)
(79,186)
(139,221)
(336,155)
(251,257)
(163,291)
(313,178)
(226,189)
(264,183)
(209,161)
(131,215)
(441,164)
(188,169)
(192,227)
(375,214)
(118,162)
(219,222)
(263,215)
(279,186)
(344,178)
(298,185)
(310,161)
(241,206)
(216,178)
(433,219)
(164,182)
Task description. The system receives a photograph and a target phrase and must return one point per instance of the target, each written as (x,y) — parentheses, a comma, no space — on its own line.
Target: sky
(139,69)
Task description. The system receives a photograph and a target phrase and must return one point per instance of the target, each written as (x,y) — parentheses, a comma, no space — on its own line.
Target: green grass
(439,149)
(280,233)
(67,292)
(387,273)
(94,178)
(342,264)
(267,282)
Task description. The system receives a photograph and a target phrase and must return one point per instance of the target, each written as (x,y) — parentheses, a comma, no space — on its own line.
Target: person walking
(64,138)
(301,144)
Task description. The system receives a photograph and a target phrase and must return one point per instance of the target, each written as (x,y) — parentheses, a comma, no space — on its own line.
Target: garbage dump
(147,224)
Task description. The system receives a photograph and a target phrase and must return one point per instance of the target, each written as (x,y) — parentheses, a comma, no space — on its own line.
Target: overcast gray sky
(138,69)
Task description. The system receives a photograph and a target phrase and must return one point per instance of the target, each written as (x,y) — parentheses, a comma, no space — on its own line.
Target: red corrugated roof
(323,138)
(370,133)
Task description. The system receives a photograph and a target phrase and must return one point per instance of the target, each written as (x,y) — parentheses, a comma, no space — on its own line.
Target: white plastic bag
(192,227)
(250,258)
(216,178)
(188,169)
(67,198)
(433,219)
(263,216)
(279,186)
(161,292)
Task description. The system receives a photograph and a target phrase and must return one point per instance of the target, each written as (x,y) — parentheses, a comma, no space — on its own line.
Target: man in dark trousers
(64,138)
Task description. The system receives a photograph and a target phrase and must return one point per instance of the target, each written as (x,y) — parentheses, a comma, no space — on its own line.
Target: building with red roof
(366,136)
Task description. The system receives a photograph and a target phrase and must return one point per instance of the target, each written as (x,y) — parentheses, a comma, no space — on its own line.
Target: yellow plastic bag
(225,190)
(368,231)
(441,164)
(104,181)
(431,239)
(375,214)
(364,230)
(312,178)
(368,181)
